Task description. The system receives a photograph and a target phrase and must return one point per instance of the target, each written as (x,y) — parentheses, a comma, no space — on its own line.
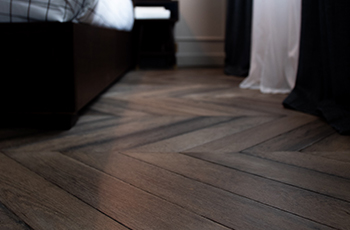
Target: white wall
(200,33)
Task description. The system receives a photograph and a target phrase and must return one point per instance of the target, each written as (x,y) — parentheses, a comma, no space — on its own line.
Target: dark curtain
(238,37)
(323,80)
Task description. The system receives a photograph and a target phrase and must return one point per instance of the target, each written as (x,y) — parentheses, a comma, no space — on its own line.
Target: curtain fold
(238,37)
(323,79)
(275,46)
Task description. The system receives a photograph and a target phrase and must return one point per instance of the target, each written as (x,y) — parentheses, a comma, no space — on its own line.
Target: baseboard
(213,59)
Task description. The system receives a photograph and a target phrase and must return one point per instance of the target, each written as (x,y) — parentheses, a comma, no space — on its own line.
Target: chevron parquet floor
(178,149)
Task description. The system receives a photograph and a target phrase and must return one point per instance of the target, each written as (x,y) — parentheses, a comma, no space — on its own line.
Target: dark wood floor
(183,149)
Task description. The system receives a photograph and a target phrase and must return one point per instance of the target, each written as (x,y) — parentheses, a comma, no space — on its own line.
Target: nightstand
(154,38)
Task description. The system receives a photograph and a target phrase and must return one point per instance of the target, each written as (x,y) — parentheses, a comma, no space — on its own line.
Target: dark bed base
(50,71)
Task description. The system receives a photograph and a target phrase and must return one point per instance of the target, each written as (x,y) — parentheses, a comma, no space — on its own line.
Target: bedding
(116,14)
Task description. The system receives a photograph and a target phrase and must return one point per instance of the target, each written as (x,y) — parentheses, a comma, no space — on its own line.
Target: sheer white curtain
(275,46)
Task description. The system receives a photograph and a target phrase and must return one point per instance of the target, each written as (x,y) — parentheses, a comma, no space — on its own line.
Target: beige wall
(200,33)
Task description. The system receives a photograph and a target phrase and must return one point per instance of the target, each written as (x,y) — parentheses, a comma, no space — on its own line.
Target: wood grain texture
(254,104)
(343,156)
(116,108)
(87,124)
(279,195)
(178,149)
(137,106)
(145,137)
(43,205)
(317,161)
(198,108)
(333,143)
(100,135)
(224,204)
(10,221)
(132,93)
(311,180)
(294,140)
(199,137)
(119,200)
(258,134)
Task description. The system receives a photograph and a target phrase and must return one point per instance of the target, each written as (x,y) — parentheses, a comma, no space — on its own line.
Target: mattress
(116,14)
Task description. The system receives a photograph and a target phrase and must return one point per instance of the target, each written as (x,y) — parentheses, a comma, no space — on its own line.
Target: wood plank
(337,156)
(83,128)
(233,192)
(311,205)
(195,89)
(157,134)
(216,204)
(294,140)
(91,116)
(333,186)
(181,107)
(160,92)
(311,161)
(95,123)
(124,90)
(257,104)
(159,78)
(243,140)
(198,108)
(131,206)
(138,105)
(43,205)
(232,92)
(203,76)
(226,91)
(333,143)
(9,221)
(98,136)
(199,137)
(108,106)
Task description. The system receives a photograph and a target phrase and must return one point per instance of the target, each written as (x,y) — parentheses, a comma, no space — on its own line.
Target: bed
(57,56)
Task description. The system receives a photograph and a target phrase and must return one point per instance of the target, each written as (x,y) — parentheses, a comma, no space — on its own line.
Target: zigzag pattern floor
(178,149)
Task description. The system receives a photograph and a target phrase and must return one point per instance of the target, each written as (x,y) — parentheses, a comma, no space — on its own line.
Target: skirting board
(187,60)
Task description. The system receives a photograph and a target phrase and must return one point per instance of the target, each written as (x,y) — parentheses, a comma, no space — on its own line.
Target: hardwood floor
(178,149)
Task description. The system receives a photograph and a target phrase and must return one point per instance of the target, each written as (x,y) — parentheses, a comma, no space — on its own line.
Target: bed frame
(51,71)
